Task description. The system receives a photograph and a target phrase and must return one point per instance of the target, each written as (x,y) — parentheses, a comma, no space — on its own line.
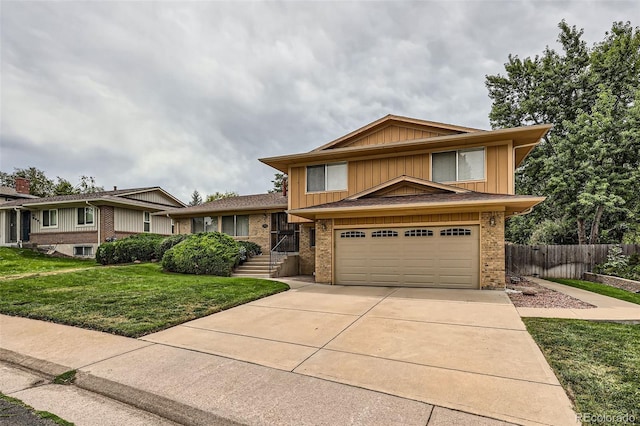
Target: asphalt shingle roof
(242,202)
(76,197)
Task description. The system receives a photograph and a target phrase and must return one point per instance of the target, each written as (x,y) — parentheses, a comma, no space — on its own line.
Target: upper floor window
(85,215)
(146,222)
(50,218)
(236,226)
(327,177)
(463,164)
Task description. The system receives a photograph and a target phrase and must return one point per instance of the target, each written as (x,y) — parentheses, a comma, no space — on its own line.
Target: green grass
(598,363)
(605,290)
(128,300)
(21,261)
(42,414)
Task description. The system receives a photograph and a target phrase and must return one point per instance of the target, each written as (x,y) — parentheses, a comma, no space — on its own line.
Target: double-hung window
(146,221)
(460,165)
(236,225)
(85,215)
(50,218)
(327,177)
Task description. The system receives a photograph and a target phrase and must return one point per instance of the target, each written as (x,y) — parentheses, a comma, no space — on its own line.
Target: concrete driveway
(462,349)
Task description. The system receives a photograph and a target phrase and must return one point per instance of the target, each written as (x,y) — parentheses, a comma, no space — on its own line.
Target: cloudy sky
(188,95)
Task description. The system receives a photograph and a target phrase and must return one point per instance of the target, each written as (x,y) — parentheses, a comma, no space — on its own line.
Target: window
(197,225)
(85,251)
(85,215)
(312,237)
(173,227)
(384,233)
(352,234)
(236,226)
(454,231)
(210,224)
(146,221)
(418,233)
(49,218)
(327,177)
(452,166)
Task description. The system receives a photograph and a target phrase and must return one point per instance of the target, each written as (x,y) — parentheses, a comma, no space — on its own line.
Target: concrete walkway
(608,308)
(317,355)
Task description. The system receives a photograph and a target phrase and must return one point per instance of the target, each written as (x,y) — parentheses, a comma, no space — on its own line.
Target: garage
(443,256)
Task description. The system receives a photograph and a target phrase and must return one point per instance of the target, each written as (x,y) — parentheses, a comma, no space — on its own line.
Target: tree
(64,187)
(585,165)
(87,185)
(221,195)
(278,182)
(196,198)
(40,184)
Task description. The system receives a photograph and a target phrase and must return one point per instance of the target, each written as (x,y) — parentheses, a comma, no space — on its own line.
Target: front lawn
(600,289)
(20,261)
(128,300)
(598,364)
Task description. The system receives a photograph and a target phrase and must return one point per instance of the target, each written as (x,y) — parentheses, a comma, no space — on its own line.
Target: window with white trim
(460,165)
(236,225)
(84,251)
(50,218)
(85,216)
(146,222)
(327,177)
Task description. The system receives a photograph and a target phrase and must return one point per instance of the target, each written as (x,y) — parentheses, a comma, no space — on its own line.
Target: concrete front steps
(256,266)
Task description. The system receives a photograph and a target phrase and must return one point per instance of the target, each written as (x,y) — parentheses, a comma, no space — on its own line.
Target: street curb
(164,407)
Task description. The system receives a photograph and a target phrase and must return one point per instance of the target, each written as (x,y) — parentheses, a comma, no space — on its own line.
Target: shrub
(619,265)
(208,253)
(169,242)
(136,247)
(252,249)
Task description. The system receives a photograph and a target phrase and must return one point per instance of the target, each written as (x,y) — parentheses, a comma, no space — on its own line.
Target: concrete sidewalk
(608,308)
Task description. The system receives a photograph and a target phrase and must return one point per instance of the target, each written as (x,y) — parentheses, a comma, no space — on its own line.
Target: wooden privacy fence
(559,261)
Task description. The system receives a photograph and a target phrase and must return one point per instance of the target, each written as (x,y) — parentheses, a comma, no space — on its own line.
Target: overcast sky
(189,95)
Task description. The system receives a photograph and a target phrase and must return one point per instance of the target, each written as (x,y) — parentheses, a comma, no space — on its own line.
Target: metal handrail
(275,256)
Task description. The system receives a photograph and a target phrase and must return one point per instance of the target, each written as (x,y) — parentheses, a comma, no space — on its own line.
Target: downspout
(97,211)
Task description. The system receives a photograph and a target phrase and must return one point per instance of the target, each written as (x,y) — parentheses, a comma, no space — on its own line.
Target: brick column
(492,274)
(107,225)
(324,251)
(307,253)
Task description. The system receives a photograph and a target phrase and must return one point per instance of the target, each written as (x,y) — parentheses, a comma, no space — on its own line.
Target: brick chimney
(23,185)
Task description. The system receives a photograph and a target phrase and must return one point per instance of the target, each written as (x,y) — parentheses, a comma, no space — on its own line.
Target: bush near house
(169,242)
(142,247)
(248,249)
(619,265)
(210,253)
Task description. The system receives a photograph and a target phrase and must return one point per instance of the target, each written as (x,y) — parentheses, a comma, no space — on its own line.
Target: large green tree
(42,186)
(588,163)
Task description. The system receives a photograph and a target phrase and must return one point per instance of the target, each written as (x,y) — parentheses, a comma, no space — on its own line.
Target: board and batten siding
(368,173)
(395,133)
(126,220)
(67,222)
(153,197)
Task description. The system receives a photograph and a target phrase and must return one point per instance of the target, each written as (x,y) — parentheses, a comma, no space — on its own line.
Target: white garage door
(443,256)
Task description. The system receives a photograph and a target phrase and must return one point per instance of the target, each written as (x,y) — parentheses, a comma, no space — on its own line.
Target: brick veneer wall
(492,274)
(307,254)
(257,233)
(182,226)
(324,250)
(50,238)
(107,229)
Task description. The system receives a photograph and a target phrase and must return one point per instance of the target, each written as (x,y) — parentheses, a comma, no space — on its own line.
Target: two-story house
(407,202)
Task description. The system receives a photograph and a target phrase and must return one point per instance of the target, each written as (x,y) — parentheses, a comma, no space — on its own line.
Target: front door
(281,228)
(25,222)
(13,227)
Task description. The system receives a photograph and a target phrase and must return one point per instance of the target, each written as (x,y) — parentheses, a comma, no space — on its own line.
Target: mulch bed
(544,298)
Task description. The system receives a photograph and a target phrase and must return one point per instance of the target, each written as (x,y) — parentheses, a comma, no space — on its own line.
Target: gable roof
(240,203)
(118,196)
(524,140)
(391,119)
(422,185)
(7,191)
(419,203)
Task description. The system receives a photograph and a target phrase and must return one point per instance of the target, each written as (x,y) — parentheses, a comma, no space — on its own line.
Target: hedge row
(140,247)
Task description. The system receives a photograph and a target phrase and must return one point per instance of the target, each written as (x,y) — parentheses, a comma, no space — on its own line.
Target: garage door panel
(427,256)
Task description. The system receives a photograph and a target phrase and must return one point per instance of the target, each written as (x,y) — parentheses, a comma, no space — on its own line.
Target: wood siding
(67,222)
(394,133)
(154,197)
(161,225)
(413,219)
(559,261)
(366,173)
(126,220)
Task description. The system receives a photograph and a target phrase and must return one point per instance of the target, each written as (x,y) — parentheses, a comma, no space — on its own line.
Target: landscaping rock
(529,291)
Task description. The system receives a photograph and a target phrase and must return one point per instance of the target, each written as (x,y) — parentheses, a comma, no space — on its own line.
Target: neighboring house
(76,224)
(259,218)
(406,202)
(21,191)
